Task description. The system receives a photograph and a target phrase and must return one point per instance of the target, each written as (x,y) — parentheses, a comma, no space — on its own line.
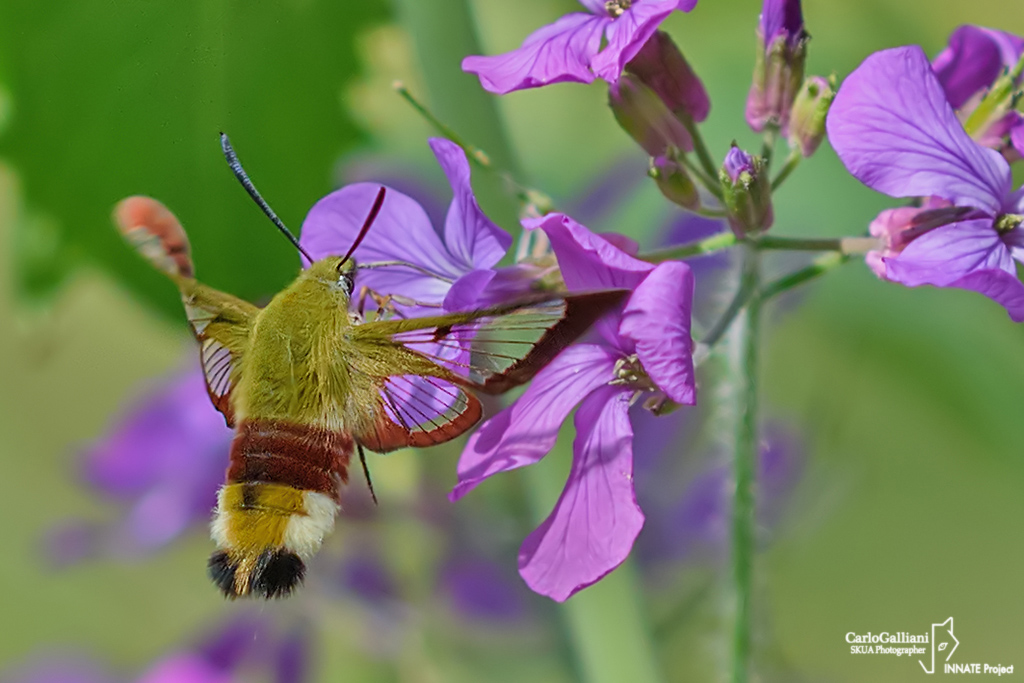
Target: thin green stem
(527,196)
(743,369)
(742,297)
(794,159)
(819,267)
(708,245)
(711,185)
(996,97)
(768,144)
(844,245)
(699,147)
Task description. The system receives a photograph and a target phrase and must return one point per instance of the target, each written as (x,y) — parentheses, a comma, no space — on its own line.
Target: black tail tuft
(277,574)
(222,571)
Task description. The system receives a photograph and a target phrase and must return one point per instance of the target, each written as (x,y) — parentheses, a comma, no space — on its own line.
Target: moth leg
(366,472)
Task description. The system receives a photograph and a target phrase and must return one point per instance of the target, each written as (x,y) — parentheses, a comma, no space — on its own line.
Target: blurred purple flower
(645,348)
(894,130)
(479,590)
(164,461)
(697,522)
(570,49)
(247,643)
(967,68)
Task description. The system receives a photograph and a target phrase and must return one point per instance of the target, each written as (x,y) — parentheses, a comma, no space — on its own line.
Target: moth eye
(346,283)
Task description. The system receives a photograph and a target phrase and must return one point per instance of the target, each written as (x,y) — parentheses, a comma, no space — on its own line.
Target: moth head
(336,274)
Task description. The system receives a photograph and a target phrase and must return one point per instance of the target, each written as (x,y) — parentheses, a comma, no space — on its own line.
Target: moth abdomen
(278,504)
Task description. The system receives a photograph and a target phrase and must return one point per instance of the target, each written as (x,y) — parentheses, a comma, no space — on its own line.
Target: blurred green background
(910,402)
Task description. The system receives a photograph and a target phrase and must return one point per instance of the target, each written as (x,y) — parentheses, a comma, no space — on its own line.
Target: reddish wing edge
(220,322)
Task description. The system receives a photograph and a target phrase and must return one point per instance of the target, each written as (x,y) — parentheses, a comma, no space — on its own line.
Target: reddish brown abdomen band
(303,457)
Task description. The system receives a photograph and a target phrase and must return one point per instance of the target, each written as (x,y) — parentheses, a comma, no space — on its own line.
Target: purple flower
(402,232)
(779,70)
(570,49)
(968,67)
(894,130)
(164,460)
(645,348)
(975,58)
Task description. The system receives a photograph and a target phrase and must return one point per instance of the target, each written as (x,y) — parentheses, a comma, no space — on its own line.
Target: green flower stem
(742,360)
(819,267)
(996,97)
(794,159)
(527,196)
(610,635)
(708,245)
(709,182)
(606,623)
(844,245)
(771,134)
(699,147)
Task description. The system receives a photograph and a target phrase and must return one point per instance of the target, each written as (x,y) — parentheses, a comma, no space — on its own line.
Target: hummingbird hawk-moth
(305,382)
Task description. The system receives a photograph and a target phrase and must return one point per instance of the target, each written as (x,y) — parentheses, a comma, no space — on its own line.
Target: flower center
(1008,222)
(615,8)
(629,372)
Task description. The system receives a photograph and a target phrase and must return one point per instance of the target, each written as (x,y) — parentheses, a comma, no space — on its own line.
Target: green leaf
(117,98)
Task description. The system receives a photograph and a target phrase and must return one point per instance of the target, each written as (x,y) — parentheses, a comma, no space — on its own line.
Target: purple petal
(555,53)
(401,232)
(524,432)
(592,528)
(1002,287)
(976,56)
(627,34)
(782,17)
(587,260)
(472,239)
(893,129)
(657,318)
(946,254)
(480,288)
(1017,138)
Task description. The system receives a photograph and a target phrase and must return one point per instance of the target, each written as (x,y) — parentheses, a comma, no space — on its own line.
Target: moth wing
(221,322)
(489,350)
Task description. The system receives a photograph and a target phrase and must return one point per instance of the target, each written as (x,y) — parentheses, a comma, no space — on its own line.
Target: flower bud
(747,192)
(661,67)
(779,70)
(673,181)
(643,115)
(807,120)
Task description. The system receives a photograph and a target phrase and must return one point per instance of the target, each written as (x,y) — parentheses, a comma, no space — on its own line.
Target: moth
(306,383)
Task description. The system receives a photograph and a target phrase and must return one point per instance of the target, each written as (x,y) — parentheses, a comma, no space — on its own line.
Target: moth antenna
(377,203)
(405,264)
(366,470)
(243,177)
